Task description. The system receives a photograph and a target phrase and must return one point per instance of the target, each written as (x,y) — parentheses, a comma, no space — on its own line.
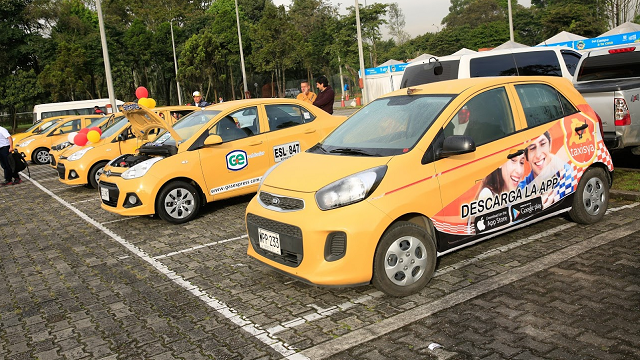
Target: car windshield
(187,126)
(39,127)
(114,127)
(387,126)
(96,122)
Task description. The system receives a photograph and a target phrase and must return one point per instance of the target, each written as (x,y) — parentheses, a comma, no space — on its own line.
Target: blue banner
(384,69)
(594,43)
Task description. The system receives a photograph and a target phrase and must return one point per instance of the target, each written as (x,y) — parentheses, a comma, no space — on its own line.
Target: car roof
(253,102)
(605,51)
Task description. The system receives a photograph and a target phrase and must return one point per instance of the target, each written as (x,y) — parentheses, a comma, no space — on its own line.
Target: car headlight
(350,189)
(140,169)
(78,154)
(26,143)
(64,145)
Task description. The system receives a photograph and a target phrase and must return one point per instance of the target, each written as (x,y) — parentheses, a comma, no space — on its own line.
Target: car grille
(114,193)
(280,203)
(290,240)
(61,171)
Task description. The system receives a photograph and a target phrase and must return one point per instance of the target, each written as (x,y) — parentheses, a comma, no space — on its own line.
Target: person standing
(97,110)
(198,101)
(306,95)
(326,96)
(6,147)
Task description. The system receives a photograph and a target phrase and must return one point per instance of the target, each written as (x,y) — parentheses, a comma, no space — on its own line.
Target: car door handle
(310,131)
(255,143)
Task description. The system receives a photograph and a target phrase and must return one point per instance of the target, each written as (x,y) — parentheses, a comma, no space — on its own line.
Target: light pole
(510,21)
(105,55)
(175,63)
(244,75)
(362,76)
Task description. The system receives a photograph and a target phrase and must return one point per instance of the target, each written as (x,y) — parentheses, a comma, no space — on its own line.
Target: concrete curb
(625,195)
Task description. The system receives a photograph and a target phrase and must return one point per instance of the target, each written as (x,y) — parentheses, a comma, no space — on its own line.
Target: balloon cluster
(82,137)
(143,98)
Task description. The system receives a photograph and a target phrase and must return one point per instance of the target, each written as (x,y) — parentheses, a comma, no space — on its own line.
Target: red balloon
(83,131)
(80,139)
(96,129)
(142,92)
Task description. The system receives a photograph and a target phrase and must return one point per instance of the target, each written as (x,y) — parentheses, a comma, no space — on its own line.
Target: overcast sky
(421,16)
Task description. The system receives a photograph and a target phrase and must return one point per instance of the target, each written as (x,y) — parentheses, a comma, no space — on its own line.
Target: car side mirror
(457,145)
(121,137)
(212,140)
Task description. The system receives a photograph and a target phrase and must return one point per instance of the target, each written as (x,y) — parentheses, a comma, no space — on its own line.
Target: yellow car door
(478,187)
(291,130)
(235,166)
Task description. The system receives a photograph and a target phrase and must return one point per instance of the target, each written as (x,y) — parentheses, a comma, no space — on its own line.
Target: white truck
(609,79)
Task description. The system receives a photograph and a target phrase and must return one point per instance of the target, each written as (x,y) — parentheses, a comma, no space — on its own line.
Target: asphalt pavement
(77,282)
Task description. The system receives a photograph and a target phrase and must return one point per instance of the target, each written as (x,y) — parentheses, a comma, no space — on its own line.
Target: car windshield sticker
(234,186)
(237,160)
(545,170)
(306,115)
(285,151)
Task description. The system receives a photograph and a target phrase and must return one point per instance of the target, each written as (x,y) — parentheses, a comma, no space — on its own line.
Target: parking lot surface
(77,282)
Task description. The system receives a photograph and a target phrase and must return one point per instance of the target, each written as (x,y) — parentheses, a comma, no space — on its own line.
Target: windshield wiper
(351,151)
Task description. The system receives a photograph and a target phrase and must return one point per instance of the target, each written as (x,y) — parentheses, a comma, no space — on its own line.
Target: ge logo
(237,160)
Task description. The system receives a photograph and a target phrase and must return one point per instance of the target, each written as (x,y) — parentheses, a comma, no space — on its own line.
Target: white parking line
(81,201)
(64,188)
(199,247)
(219,306)
(123,219)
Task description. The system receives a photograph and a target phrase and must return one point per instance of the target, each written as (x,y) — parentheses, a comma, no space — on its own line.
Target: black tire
(591,198)
(178,202)
(404,243)
(40,156)
(94,173)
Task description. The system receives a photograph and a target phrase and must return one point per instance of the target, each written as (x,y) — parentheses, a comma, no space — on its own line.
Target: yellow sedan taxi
(36,147)
(424,171)
(37,128)
(82,165)
(215,153)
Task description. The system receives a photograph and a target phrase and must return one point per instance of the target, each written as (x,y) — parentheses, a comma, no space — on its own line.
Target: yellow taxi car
(82,165)
(424,171)
(215,153)
(37,128)
(36,147)
(59,148)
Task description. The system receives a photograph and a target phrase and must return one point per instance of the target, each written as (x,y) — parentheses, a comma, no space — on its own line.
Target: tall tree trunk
(233,88)
(272,93)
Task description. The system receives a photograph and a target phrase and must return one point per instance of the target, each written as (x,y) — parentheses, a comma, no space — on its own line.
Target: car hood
(307,172)
(143,120)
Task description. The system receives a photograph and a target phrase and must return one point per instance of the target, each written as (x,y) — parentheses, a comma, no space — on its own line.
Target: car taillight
(621,115)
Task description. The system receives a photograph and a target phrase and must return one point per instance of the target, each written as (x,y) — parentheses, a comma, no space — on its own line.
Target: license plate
(104,193)
(285,151)
(269,241)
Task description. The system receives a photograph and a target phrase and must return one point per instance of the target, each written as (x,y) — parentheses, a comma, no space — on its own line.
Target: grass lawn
(626,180)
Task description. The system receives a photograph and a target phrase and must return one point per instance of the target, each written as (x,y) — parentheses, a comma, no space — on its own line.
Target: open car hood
(143,120)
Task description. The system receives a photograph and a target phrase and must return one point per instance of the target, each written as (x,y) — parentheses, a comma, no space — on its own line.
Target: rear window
(538,63)
(610,66)
(499,65)
(425,73)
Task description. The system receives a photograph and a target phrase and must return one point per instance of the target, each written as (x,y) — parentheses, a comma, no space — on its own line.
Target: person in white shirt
(6,147)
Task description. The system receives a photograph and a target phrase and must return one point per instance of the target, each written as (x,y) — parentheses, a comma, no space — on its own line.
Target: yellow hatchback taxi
(37,128)
(82,165)
(424,171)
(215,153)
(36,147)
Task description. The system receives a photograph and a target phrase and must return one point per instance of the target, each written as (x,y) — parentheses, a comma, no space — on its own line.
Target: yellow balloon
(151,103)
(144,102)
(93,136)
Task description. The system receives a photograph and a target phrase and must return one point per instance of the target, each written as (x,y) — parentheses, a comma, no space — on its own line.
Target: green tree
(19,91)
(397,23)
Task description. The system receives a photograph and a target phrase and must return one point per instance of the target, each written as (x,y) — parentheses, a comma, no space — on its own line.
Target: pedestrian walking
(306,95)
(326,96)
(6,147)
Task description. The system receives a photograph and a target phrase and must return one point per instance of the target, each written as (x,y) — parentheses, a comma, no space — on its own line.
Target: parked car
(36,147)
(82,165)
(609,79)
(427,170)
(36,129)
(530,61)
(216,153)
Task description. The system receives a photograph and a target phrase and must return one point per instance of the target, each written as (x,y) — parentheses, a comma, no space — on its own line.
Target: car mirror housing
(212,140)
(457,145)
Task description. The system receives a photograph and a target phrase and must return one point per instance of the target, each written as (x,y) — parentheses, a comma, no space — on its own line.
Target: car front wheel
(405,260)
(40,156)
(178,202)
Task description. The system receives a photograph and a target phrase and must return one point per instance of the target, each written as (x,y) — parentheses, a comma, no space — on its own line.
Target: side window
(486,117)
(428,73)
(69,126)
(285,115)
(498,65)
(542,103)
(238,125)
(538,63)
(571,60)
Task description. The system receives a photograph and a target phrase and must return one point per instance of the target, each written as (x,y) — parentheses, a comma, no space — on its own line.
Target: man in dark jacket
(198,101)
(326,96)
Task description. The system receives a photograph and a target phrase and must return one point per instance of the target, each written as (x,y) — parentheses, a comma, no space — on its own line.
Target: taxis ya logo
(581,138)
(237,160)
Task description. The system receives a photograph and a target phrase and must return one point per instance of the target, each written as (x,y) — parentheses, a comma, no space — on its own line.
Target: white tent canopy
(627,27)
(390,62)
(510,45)
(464,51)
(561,37)
(423,57)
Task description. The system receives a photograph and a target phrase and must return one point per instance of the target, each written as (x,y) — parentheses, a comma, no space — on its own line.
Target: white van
(82,107)
(530,61)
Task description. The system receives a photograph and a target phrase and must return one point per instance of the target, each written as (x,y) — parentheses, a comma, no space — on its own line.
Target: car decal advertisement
(532,179)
